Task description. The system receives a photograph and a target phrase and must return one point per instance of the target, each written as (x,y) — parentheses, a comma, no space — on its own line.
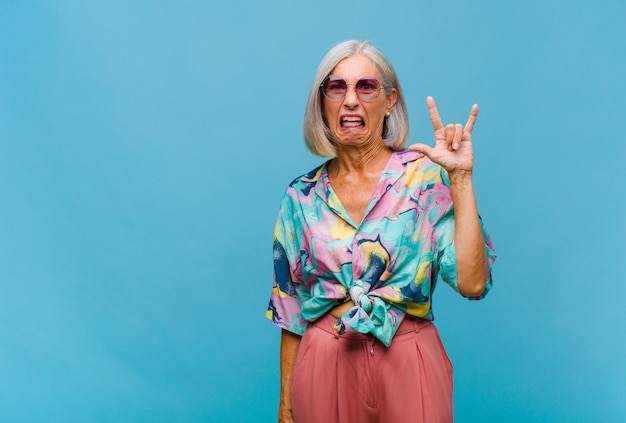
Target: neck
(373,158)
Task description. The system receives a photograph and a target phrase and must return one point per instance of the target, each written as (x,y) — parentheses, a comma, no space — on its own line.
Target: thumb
(422,148)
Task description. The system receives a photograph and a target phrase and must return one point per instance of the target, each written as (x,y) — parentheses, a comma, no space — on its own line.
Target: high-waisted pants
(354,378)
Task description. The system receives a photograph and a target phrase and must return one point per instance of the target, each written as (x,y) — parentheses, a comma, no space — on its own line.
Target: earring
(387,114)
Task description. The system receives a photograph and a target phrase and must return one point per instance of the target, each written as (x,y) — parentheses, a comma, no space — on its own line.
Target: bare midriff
(339,311)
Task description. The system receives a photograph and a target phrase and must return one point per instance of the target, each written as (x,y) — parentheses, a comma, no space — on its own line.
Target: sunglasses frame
(337,79)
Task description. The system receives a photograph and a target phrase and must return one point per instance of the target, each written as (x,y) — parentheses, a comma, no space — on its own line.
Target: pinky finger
(472,118)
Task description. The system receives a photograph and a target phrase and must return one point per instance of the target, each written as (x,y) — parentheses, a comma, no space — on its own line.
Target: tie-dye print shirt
(388,264)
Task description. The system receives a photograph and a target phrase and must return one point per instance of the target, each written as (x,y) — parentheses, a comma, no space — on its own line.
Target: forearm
(289,346)
(471,255)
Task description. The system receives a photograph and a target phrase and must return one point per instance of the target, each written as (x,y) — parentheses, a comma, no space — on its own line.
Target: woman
(359,244)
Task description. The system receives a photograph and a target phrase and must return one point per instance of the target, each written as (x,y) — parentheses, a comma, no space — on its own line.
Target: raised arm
(453,151)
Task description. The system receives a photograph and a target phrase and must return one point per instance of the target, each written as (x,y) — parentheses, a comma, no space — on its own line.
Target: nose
(351,100)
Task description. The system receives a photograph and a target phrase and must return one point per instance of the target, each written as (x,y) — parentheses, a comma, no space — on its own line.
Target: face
(352,121)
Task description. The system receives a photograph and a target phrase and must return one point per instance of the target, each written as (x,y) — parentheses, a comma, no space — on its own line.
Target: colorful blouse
(388,264)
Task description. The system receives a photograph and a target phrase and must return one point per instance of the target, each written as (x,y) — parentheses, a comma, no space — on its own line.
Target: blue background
(144,149)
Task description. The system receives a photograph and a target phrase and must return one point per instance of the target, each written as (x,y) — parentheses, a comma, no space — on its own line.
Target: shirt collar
(396,163)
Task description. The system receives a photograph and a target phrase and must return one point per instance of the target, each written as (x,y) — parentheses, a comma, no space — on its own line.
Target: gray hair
(317,136)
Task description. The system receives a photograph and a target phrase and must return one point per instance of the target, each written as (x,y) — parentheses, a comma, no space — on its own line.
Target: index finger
(435,119)
(472,118)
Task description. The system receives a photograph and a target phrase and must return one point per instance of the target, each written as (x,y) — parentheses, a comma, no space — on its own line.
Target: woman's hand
(285,415)
(453,142)
(453,151)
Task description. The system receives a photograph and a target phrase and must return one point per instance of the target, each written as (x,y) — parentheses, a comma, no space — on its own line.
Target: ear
(392,99)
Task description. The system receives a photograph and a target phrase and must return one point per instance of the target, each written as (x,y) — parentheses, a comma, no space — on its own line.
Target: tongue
(352,124)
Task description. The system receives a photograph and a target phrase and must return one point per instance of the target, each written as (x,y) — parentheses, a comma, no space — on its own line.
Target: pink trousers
(353,378)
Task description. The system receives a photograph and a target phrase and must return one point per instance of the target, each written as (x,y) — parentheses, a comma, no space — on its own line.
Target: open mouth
(351,122)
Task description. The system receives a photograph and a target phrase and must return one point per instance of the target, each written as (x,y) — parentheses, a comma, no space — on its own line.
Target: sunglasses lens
(367,88)
(335,88)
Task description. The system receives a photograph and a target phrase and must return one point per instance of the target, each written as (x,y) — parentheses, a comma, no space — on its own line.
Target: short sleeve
(288,291)
(443,238)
